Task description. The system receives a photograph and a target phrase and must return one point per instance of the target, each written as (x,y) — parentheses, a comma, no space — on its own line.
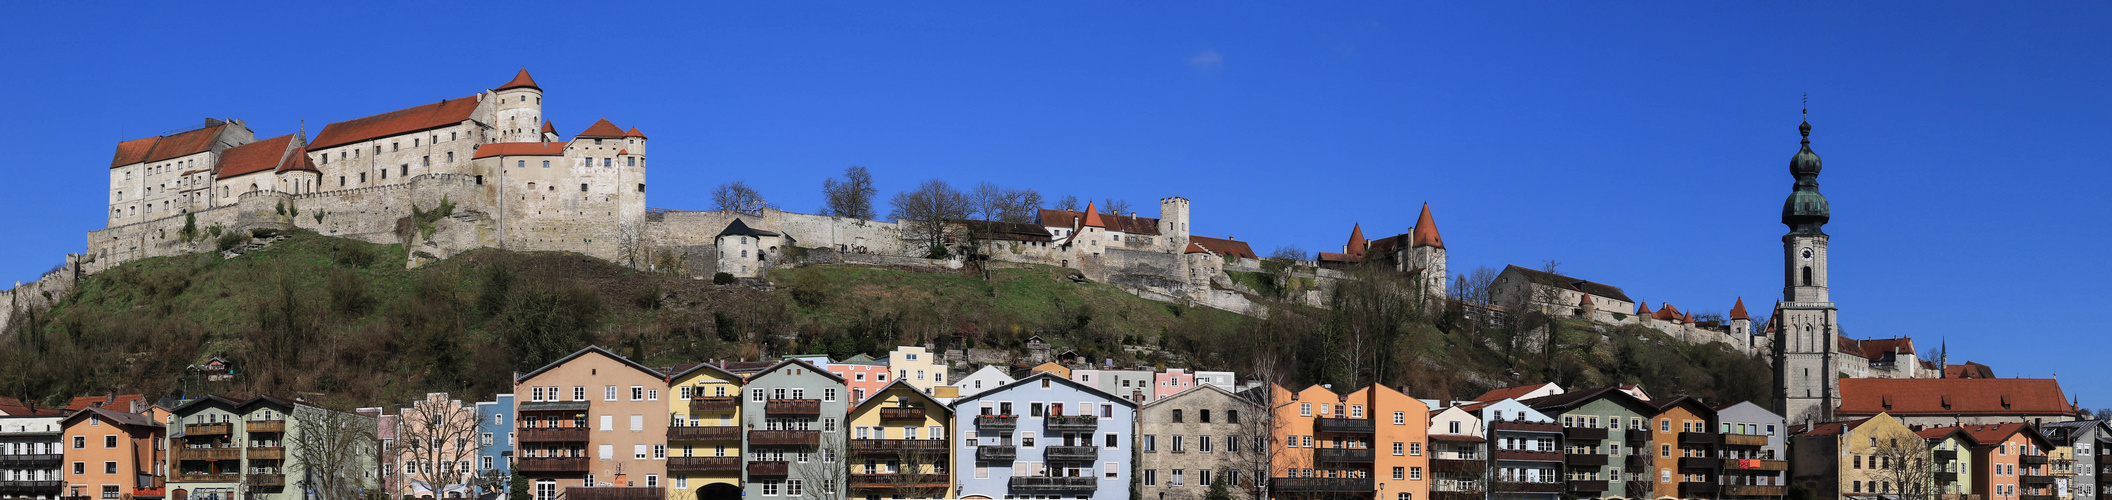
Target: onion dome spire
(1805,211)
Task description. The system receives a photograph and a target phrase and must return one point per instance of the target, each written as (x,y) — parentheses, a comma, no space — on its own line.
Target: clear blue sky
(1642,145)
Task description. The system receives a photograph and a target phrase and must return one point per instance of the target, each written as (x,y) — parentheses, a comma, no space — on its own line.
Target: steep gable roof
(549,128)
(298,160)
(1500,394)
(133,151)
(595,349)
(1938,433)
(1738,310)
(1426,230)
(875,399)
(1989,434)
(601,128)
(1586,286)
(1874,349)
(520,80)
(1953,396)
(684,372)
(1832,428)
(1224,247)
(1567,400)
(118,416)
(1968,370)
(789,362)
(737,228)
(633,132)
(187,143)
(1036,376)
(260,156)
(402,121)
(1050,217)
(120,402)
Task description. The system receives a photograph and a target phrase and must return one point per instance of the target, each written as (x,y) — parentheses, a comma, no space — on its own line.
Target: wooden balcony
(1587,486)
(1945,455)
(1459,495)
(2032,460)
(1700,438)
(615,493)
(1525,426)
(33,461)
(1344,425)
(2036,481)
(1071,423)
(714,404)
(703,464)
(997,422)
(219,429)
(1635,461)
(704,433)
(550,464)
(997,453)
(891,481)
(1073,484)
(1343,455)
(204,478)
(1584,460)
(2037,497)
(1510,487)
(1946,477)
(32,486)
(1750,490)
(784,438)
(1458,466)
(792,407)
(183,454)
(1531,456)
(769,469)
(1734,464)
(1587,433)
(1071,453)
(1698,489)
(264,426)
(266,453)
(931,446)
(900,413)
(1700,463)
(551,435)
(264,480)
(1744,440)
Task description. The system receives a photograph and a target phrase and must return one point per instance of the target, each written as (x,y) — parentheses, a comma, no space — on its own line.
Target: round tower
(520,109)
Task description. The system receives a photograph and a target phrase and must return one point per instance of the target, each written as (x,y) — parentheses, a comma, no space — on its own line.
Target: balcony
(218,429)
(890,481)
(205,478)
(704,433)
(265,480)
(1583,433)
(555,406)
(1056,483)
(1744,440)
(1751,490)
(792,407)
(1322,485)
(703,464)
(1709,438)
(1587,486)
(1510,487)
(1636,461)
(1534,456)
(31,461)
(1343,455)
(1524,426)
(264,426)
(1462,465)
(267,453)
(1071,453)
(898,413)
(1637,436)
(1945,455)
(2036,481)
(936,446)
(183,454)
(1946,477)
(2030,460)
(1639,489)
(550,464)
(727,403)
(31,485)
(784,438)
(769,469)
(997,453)
(1584,460)
(997,422)
(1751,464)
(1700,463)
(1698,489)
(2037,497)
(1459,495)
(1080,423)
(1344,425)
(551,435)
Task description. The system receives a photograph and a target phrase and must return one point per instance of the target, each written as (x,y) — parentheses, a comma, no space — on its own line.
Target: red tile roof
(1092,216)
(187,143)
(1509,392)
(1357,244)
(1944,432)
(1642,308)
(1952,396)
(601,128)
(402,121)
(549,128)
(118,402)
(1426,230)
(1996,433)
(520,149)
(299,160)
(260,156)
(1665,311)
(1121,223)
(1968,370)
(1586,301)
(1224,247)
(1880,348)
(133,151)
(520,80)
(1832,428)
(1738,310)
(633,132)
(1193,248)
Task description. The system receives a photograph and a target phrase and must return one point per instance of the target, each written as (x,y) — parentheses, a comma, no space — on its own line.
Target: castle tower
(1742,325)
(1173,223)
(520,110)
(1427,252)
(1807,387)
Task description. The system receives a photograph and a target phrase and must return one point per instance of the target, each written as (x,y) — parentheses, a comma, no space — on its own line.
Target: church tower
(1807,383)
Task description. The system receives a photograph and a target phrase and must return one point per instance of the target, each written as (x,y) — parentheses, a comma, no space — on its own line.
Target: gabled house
(900,444)
(1043,436)
(704,433)
(593,419)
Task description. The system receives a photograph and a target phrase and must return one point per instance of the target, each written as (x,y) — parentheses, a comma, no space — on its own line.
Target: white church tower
(1807,384)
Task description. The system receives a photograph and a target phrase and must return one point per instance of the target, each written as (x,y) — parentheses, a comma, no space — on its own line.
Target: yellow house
(704,435)
(1846,459)
(918,366)
(899,445)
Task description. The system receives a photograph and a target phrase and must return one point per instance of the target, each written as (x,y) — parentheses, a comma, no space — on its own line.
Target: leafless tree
(1114,206)
(1475,286)
(850,197)
(1021,206)
(336,451)
(984,200)
(630,243)
(1259,428)
(1903,460)
(928,212)
(1070,203)
(825,474)
(737,197)
(1290,252)
(440,436)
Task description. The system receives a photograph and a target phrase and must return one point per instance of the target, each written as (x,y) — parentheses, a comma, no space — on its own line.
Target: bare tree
(630,243)
(335,450)
(1290,252)
(851,197)
(736,196)
(985,200)
(928,212)
(440,436)
(1069,202)
(1903,459)
(1475,286)
(1258,428)
(1020,206)
(1114,206)
(824,474)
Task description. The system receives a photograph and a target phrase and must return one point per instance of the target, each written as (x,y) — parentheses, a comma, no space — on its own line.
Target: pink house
(1170,382)
(862,374)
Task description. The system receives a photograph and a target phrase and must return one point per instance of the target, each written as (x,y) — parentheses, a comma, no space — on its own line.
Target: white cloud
(1207,59)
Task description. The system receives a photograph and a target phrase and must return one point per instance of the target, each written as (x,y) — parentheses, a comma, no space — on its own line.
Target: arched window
(1807,275)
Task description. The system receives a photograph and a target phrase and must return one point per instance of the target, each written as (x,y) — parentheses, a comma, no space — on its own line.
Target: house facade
(1459,456)
(794,416)
(1043,436)
(1606,440)
(1951,456)
(34,457)
(119,454)
(900,444)
(267,448)
(1754,449)
(1202,437)
(704,434)
(592,420)
(982,379)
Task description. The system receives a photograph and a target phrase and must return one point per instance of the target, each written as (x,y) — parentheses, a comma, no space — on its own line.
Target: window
(579,393)
(1397,449)
(109,441)
(1151,443)
(1176,416)
(1178,478)
(1664,426)
(1399,417)
(109,467)
(1414,474)
(1202,444)
(608,393)
(637,393)
(582,187)
(1151,477)
(1400,473)
(1414,449)
(1179,444)
(546,163)
(1305,409)
(1110,469)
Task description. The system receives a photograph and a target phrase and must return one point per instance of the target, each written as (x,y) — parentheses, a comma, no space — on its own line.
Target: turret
(1741,324)
(1173,222)
(520,109)
(1426,251)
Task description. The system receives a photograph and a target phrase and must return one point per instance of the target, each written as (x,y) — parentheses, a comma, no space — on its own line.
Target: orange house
(113,454)
(1685,458)
(2010,461)
(1368,442)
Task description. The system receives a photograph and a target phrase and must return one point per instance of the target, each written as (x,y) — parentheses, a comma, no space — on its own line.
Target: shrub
(263,232)
(938,252)
(348,293)
(809,288)
(280,207)
(231,240)
(648,296)
(318,216)
(724,279)
(190,227)
(215,230)
(352,254)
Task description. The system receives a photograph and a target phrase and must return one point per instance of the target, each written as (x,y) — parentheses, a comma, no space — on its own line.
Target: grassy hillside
(341,321)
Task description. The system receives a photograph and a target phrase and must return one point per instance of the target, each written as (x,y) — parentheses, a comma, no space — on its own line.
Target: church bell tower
(1807,383)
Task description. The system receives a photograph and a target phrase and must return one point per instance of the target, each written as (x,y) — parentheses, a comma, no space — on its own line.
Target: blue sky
(1643,145)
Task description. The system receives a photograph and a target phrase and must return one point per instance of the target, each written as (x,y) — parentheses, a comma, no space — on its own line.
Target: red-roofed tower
(1742,326)
(1426,255)
(519,110)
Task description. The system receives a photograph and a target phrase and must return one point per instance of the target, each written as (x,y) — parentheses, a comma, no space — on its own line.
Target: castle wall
(401,157)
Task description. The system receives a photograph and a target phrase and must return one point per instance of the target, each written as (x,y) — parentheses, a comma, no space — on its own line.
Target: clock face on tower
(1806,253)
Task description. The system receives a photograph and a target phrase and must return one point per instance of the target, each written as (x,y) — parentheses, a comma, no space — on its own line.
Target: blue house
(495,444)
(1043,437)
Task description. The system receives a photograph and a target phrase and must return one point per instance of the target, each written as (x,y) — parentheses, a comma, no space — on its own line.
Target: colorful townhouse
(436,449)
(1223,380)
(1459,458)
(1203,437)
(2010,462)
(2086,466)
(793,417)
(1840,459)
(982,379)
(1170,382)
(495,442)
(224,449)
(704,434)
(1044,437)
(1133,385)
(1355,444)
(1606,441)
(1754,451)
(1951,458)
(1525,453)
(1685,438)
(862,374)
(114,454)
(32,458)
(592,420)
(918,366)
(900,444)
